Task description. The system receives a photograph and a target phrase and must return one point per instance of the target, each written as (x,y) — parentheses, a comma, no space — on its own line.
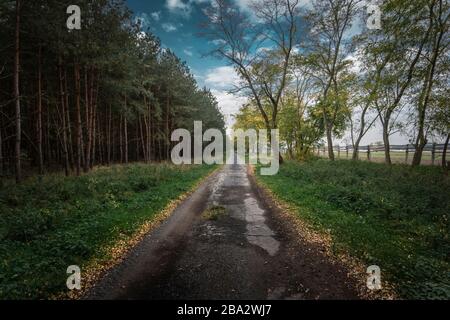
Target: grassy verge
(49,223)
(394,217)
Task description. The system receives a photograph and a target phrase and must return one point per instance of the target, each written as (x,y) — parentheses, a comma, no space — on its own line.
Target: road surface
(245,252)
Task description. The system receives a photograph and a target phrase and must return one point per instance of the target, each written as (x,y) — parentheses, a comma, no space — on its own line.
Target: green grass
(49,223)
(395,217)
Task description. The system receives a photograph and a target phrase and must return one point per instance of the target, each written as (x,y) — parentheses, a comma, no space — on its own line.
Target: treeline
(330,71)
(108,93)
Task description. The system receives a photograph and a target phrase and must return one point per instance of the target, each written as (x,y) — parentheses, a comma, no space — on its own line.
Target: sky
(176,23)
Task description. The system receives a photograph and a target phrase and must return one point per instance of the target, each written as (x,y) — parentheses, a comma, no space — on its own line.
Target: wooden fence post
(368,152)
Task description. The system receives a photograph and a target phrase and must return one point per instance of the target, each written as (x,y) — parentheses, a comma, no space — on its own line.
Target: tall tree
(398,47)
(437,47)
(17,92)
(328,46)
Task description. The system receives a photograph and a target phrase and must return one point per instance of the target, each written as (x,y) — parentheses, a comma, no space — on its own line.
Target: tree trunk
(387,146)
(17,93)
(93,139)
(428,85)
(280,158)
(69,127)
(419,146)
(64,108)
(48,149)
(1,150)
(120,139)
(330,142)
(355,154)
(125,127)
(361,133)
(93,118)
(39,112)
(160,150)
(167,138)
(444,153)
(78,117)
(144,151)
(137,158)
(113,145)
(108,137)
(87,100)
(147,130)
(421,140)
(149,134)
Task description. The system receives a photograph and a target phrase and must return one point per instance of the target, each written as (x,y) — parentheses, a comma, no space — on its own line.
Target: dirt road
(238,250)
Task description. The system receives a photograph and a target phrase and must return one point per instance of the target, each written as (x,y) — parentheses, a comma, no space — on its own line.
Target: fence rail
(432,153)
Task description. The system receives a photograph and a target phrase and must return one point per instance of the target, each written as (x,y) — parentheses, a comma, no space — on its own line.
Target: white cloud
(156,16)
(169,27)
(357,64)
(243,4)
(176,4)
(229,104)
(217,42)
(221,80)
(179,7)
(198,76)
(143,19)
(188,52)
(182,7)
(262,50)
(224,77)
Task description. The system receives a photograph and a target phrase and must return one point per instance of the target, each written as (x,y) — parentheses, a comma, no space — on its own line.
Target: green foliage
(125,76)
(395,217)
(298,129)
(249,117)
(50,223)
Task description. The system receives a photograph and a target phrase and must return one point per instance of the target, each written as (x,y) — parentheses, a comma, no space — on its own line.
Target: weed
(213,213)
